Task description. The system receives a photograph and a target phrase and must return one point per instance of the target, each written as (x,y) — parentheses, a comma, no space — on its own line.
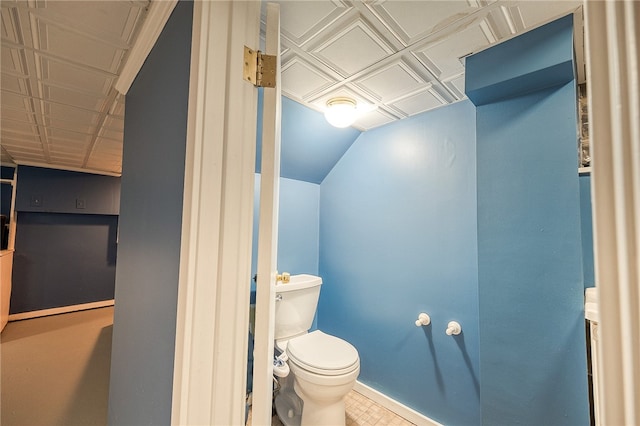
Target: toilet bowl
(323,368)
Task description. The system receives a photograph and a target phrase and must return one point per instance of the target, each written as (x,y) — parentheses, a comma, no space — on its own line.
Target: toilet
(322,368)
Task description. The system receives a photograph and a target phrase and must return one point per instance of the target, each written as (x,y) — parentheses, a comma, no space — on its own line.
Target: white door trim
(157,16)
(215,254)
(267,232)
(613,67)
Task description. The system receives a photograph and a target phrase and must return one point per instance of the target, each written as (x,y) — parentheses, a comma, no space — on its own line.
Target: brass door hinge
(259,69)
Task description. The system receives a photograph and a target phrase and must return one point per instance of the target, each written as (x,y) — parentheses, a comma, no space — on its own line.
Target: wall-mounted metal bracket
(259,69)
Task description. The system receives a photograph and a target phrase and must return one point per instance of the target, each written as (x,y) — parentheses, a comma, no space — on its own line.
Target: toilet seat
(323,354)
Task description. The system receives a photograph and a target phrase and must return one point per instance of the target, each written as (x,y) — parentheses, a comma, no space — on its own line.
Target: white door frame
(267,232)
(215,253)
(216,248)
(613,72)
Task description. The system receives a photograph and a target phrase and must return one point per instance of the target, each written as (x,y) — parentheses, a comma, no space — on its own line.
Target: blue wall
(530,284)
(65,255)
(5,199)
(298,235)
(62,260)
(310,145)
(298,226)
(530,269)
(537,60)
(398,237)
(151,220)
(586,221)
(61,191)
(6,172)
(401,232)
(6,193)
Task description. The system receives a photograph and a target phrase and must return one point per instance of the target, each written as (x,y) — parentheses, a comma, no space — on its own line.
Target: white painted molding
(212,323)
(584,170)
(613,67)
(68,168)
(154,22)
(61,310)
(394,406)
(267,231)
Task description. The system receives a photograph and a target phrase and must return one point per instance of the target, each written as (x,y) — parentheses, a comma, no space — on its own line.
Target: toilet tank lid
(319,352)
(298,282)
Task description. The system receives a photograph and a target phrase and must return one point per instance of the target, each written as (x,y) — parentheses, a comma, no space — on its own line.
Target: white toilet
(323,368)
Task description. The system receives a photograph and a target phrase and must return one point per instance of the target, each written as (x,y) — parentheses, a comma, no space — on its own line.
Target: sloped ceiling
(308,152)
(61,59)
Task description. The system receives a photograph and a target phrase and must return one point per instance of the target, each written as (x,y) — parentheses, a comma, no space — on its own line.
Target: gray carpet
(55,370)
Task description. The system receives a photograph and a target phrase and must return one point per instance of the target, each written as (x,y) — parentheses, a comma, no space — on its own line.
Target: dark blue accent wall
(398,237)
(62,191)
(5,201)
(62,260)
(530,283)
(6,172)
(6,191)
(65,255)
(150,229)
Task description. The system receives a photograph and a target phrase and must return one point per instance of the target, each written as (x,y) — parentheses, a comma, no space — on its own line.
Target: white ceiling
(61,59)
(404,57)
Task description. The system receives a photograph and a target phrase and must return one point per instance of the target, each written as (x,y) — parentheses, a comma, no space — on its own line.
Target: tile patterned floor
(361,411)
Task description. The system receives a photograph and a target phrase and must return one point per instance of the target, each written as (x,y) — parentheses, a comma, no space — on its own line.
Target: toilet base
(288,415)
(318,414)
(288,403)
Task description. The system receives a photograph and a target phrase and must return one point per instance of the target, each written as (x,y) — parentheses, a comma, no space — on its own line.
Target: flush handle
(285,277)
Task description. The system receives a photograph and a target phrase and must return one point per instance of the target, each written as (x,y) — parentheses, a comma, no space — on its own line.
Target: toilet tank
(296,303)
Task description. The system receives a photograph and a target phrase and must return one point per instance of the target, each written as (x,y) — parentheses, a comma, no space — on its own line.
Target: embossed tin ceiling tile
(374,119)
(392,81)
(301,21)
(14,83)
(445,53)
(72,97)
(418,102)
(82,79)
(299,78)
(414,20)
(354,48)
(66,44)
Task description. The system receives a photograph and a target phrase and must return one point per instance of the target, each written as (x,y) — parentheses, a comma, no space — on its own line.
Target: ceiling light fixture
(341,112)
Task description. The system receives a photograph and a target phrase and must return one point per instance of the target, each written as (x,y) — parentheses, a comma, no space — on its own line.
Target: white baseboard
(394,406)
(61,310)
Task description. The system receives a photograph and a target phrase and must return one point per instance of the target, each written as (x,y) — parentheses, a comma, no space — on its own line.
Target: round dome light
(341,112)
